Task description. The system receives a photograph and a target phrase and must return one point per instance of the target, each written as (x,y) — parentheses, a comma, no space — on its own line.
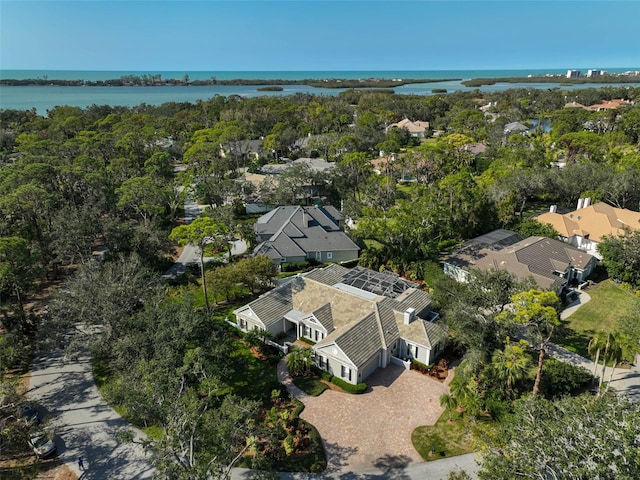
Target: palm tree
(299,361)
(596,344)
(512,362)
(449,402)
(611,348)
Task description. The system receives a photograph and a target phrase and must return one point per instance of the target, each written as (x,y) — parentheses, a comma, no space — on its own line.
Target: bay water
(46,97)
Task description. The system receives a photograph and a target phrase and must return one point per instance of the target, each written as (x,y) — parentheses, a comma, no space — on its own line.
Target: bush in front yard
(349,387)
(321,373)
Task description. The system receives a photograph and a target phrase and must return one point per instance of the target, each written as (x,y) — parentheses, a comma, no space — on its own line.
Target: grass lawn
(609,302)
(310,385)
(445,438)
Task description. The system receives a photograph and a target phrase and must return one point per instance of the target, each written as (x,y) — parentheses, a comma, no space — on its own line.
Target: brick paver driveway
(372,431)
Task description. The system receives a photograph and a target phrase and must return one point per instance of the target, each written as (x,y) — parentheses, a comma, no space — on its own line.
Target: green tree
(511,363)
(536,312)
(18,271)
(449,403)
(200,232)
(144,196)
(621,256)
(299,361)
(578,438)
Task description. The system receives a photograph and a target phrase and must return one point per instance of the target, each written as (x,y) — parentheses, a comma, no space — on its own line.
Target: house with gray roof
(515,127)
(551,263)
(358,319)
(294,234)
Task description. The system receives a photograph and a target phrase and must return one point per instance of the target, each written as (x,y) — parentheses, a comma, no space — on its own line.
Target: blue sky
(318,35)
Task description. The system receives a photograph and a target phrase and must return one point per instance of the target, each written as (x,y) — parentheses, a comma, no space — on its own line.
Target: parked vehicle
(41,444)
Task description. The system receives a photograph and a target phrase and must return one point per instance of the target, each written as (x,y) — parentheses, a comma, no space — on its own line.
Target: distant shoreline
(157,80)
(563,80)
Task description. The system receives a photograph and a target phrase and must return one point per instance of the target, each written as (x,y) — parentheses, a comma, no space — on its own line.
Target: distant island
(270,88)
(272,85)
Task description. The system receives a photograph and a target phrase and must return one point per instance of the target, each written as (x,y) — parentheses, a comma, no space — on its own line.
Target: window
(307,331)
(322,361)
(316,335)
(346,372)
(329,255)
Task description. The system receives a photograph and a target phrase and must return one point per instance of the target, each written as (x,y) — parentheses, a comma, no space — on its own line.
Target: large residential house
(357,319)
(586,226)
(294,234)
(602,106)
(416,128)
(551,263)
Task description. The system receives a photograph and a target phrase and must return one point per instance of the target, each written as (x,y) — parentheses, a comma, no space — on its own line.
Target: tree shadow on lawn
(577,342)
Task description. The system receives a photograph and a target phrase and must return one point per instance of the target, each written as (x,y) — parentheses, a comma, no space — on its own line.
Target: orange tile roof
(596,221)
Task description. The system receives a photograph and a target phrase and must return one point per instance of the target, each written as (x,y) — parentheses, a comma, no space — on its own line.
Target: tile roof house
(294,234)
(609,105)
(416,129)
(551,263)
(358,318)
(586,226)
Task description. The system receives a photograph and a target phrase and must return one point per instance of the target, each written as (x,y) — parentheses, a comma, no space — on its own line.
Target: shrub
(349,387)
(421,367)
(560,379)
(321,373)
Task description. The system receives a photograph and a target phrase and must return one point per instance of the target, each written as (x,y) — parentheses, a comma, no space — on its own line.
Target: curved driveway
(83,424)
(372,431)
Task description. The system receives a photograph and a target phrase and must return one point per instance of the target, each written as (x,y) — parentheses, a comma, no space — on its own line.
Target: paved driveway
(83,423)
(372,431)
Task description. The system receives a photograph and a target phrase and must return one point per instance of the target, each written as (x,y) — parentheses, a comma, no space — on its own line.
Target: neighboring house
(416,129)
(294,234)
(586,226)
(604,105)
(551,263)
(574,105)
(315,164)
(358,319)
(245,149)
(475,149)
(515,127)
(609,105)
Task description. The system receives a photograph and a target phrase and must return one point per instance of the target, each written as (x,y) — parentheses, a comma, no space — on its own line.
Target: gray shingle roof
(538,257)
(272,306)
(325,317)
(417,299)
(388,324)
(361,341)
(310,229)
(329,275)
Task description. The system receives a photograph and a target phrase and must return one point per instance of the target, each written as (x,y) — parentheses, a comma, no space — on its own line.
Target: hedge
(349,387)
(321,373)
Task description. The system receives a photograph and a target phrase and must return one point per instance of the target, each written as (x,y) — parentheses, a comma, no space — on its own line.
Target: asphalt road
(82,423)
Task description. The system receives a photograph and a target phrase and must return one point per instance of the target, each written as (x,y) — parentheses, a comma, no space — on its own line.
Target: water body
(44,98)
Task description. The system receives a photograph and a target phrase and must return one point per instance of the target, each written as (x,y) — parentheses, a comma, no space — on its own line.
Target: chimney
(580,202)
(553,208)
(586,203)
(409,315)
